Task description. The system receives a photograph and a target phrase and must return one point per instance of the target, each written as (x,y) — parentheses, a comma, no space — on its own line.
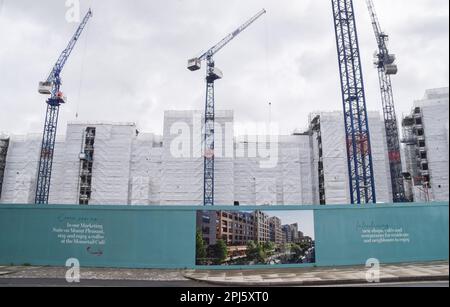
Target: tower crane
(52,87)
(213,74)
(385,63)
(359,152)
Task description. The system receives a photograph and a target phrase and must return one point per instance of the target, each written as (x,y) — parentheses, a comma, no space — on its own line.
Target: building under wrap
(101,163)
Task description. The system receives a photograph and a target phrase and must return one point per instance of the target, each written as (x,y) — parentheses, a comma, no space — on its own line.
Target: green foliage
(257,252)
(200,246)
(297,250)
(269,246)
(220,252)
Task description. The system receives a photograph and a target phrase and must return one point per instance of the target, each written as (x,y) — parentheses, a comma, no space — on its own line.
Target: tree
(297,250)
(252,250)
(256,252)
(200,247)
(220,251)
(269,246)
(262,255)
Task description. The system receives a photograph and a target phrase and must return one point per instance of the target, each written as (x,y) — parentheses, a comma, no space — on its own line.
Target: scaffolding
(416,153)
(317,133)
(86,166)
(4,144)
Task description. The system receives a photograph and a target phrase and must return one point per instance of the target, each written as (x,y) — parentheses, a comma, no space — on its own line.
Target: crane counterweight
(194,64)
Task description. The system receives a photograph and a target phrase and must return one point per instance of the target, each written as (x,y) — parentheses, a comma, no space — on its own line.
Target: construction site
(354,156)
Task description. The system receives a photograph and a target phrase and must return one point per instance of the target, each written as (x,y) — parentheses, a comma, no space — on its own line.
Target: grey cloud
(132,60)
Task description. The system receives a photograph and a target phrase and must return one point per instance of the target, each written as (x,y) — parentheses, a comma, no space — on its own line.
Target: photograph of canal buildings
(255,238)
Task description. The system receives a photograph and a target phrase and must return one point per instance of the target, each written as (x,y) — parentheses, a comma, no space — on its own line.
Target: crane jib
(212,51)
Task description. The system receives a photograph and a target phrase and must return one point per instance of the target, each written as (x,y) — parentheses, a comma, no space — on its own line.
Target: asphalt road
(51,282)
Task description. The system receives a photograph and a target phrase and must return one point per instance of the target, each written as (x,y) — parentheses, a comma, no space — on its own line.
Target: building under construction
(426,143)
(114,164)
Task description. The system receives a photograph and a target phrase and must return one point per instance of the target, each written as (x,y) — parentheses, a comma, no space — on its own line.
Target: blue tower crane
(52,87)
(359,152)
(385,63)
(213,74)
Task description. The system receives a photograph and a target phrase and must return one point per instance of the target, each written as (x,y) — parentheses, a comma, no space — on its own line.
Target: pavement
(399,273)
(418,274)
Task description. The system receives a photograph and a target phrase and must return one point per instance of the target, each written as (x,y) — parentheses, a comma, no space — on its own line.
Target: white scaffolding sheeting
(435,122)
(19,182)
(66,168)
(111,168)
(290,168)
(61,174)
(245,180)
(380,156)
(306,171)
(182,174)
(145,170)
(335,158)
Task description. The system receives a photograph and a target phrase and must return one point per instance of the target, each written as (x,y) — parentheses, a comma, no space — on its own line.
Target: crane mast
(52,87)
(359,152)
(213,74)
(385,64)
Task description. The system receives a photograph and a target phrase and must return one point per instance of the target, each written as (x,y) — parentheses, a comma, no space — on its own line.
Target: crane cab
(60,96)
(45,88)
(214,74)
(194,64)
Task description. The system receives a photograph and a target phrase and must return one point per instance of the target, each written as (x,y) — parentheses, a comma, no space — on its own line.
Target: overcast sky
(130,64)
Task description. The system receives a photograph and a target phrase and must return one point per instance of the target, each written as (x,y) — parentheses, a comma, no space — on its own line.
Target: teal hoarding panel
(164,237)
(97,236)
(391,235)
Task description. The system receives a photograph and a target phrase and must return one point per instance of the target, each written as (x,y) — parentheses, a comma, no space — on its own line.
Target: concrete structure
(426,147)
(135,168)
(290,233)
(262,227)
(207,226)
(276,232)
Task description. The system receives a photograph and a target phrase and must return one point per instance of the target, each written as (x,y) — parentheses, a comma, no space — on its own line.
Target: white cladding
(335,158)
(145,169)
(19,182)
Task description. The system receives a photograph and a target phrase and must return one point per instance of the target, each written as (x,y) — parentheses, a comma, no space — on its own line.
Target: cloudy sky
(130,64)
